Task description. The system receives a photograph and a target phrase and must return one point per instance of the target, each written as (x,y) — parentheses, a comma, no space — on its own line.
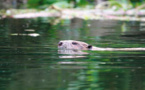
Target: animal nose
(60,44)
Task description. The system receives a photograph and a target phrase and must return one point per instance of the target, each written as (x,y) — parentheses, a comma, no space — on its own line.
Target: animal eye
(74,43)
(60,43)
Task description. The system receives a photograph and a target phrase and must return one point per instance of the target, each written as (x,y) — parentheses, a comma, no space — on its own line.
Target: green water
(29,58)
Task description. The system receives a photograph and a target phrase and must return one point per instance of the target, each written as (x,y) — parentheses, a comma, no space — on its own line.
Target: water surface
(29,59)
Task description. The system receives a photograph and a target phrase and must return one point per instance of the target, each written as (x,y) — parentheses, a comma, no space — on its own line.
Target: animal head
(72,44)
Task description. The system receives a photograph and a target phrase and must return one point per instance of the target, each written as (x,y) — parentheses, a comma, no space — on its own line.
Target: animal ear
(89,47)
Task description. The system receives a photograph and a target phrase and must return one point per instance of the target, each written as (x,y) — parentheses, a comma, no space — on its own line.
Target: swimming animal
(79,45)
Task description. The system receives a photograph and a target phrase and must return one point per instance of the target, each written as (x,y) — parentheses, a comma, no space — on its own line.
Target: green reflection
(29,59)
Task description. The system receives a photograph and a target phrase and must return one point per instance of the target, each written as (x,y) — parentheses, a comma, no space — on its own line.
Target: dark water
(29,58)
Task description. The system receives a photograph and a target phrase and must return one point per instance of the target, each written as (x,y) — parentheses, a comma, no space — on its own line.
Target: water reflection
(72,53)
(33,63)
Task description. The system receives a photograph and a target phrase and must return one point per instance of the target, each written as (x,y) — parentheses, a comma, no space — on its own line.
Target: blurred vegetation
(42,4)
(117,4)
(122,4)
(62,3)
(134,7)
